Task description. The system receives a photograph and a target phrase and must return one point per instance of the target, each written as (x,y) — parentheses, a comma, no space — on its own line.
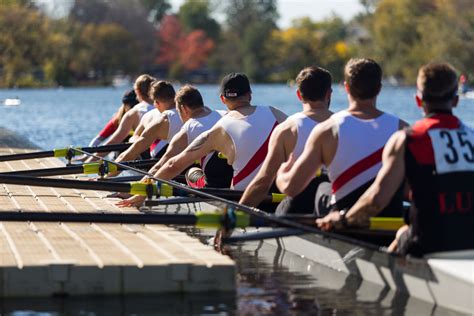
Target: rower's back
(249,128)
(439,163)
(362,132)
(250,135)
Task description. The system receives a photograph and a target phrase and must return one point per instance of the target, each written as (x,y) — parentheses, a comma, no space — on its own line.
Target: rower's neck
(364,109)
(200,112)
(238,105)
(314,107)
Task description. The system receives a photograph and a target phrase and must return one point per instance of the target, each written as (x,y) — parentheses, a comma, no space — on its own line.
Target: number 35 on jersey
(453,149)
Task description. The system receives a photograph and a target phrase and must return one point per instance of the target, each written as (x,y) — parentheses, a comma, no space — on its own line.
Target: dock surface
(44,259)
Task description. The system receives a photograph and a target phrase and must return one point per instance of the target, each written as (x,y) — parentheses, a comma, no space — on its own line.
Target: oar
(140,188)
(100,168)
(65,152)
(180,178)
(253,211)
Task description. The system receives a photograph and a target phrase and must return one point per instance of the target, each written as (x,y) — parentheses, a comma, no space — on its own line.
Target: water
(53,118)
(269,282)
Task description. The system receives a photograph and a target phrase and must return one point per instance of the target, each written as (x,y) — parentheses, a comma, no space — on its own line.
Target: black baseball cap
(130,98)
(235,85)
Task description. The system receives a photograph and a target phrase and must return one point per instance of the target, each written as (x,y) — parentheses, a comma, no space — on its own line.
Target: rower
(349,143)
(242,135)
(129,100)
(132,118)
(314,91)
(163,128)
(436,157)
(197,119)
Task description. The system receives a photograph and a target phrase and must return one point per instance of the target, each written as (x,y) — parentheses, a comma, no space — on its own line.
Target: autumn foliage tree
(179,51)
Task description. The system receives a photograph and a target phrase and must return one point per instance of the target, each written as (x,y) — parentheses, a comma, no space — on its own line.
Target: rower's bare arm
(279,115)
(387,182)
(128,122)
(176,146)
(277,155)
(294,176)
(200,147)
(157,130)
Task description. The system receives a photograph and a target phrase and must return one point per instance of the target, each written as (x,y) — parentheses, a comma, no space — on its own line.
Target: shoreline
(14,140)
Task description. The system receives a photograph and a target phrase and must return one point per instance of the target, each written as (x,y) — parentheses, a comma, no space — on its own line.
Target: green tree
(23,45)
(103,52)
(196,15)
(249,24)
(409,33)
(308,43)
(157,9)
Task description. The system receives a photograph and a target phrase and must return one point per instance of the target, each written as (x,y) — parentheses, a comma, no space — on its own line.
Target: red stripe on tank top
(154,144)
(356,169)
(255,161)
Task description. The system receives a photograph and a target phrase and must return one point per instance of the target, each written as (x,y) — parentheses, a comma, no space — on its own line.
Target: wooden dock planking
(44,259)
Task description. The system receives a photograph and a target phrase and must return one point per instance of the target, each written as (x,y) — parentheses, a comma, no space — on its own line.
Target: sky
(288,9)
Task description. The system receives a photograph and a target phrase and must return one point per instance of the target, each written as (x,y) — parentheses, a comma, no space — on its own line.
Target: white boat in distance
(12,102)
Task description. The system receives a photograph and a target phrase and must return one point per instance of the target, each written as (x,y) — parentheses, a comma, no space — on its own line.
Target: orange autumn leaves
(187,51)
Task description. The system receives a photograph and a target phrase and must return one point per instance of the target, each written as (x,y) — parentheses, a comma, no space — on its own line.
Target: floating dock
(46,259)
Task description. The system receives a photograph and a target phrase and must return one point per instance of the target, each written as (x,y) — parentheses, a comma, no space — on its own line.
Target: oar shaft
(89,168)
(62,152)
(62,183)
(120,218)
(41,154)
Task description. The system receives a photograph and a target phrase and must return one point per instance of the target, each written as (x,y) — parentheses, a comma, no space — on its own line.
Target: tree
(249,24)
(23,45)
(157,9)
(129,14)
(308,43)
(106,51)
(181,51)
(196,15)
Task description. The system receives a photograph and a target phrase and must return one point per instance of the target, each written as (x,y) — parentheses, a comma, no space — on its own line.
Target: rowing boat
(442,279)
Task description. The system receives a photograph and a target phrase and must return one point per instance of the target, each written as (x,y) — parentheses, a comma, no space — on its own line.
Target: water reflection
(195,304)
(275,282)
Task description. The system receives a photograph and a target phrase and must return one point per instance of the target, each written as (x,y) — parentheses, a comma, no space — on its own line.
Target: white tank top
(196,126)
(358,156)
(142,108)
(250,136)
(174,125)
(304,126)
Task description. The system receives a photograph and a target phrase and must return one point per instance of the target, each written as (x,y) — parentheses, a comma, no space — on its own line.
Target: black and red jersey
(439,163)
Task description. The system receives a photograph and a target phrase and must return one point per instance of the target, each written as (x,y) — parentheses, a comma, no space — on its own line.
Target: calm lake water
(267,284)
(53,118)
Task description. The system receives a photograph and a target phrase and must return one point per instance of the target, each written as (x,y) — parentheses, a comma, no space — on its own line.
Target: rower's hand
(329,222)
(135,200)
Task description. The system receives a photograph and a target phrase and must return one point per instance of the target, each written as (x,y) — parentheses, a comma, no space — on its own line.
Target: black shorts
(218,172)
(314,199)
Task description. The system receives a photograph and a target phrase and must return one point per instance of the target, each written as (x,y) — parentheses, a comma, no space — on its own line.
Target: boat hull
(445,280)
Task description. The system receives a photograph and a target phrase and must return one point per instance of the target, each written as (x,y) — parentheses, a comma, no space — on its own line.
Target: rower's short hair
(313,83)
(162,91)
(363,76)
(189,96)
(437,82)
(143,84)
